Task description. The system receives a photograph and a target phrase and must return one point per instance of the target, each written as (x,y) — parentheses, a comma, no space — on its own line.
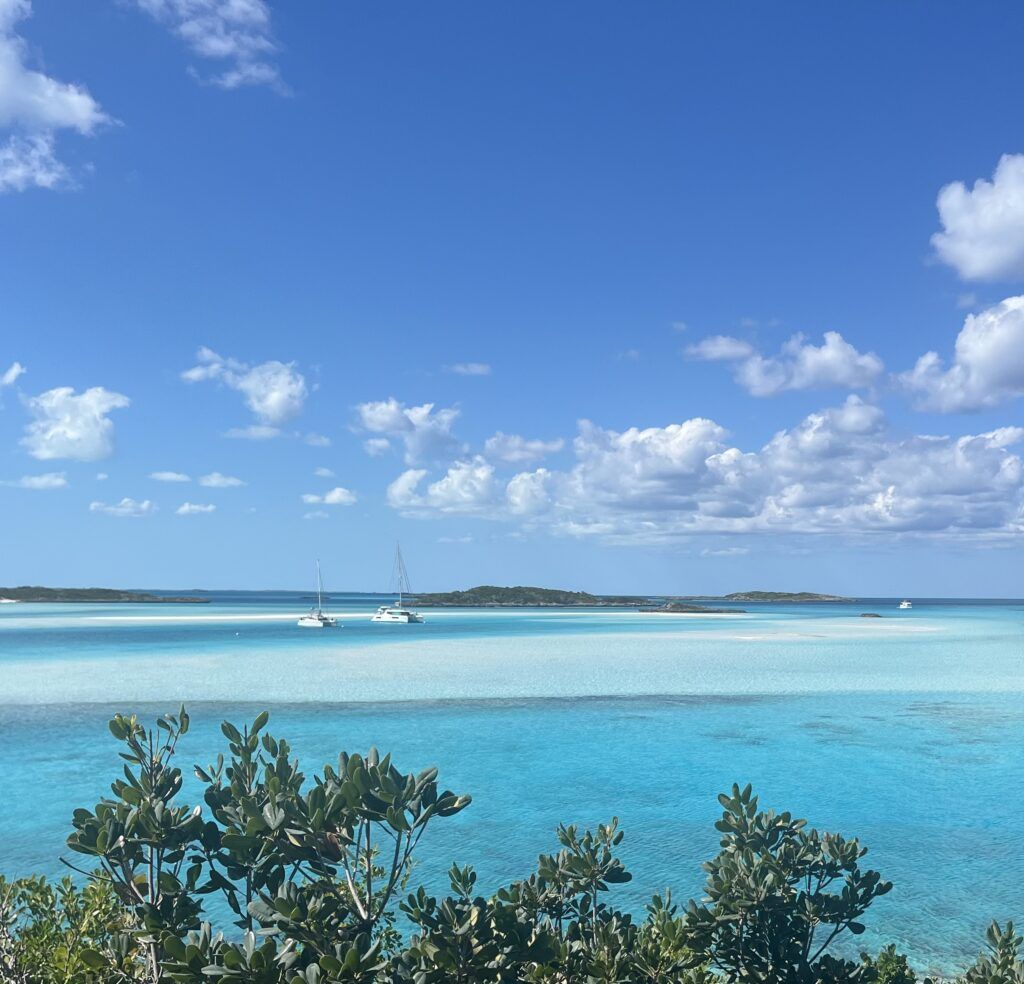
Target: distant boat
(8,601)
(905,604)
(398,613)
(317,618)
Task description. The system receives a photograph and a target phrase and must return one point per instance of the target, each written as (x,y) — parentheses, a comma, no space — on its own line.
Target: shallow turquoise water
(905,731)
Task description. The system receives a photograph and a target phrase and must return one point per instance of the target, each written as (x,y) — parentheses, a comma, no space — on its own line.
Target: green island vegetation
(781,596)
(32,593)
(316,872)
(491,596)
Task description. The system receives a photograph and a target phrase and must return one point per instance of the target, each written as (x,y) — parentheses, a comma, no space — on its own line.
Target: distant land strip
(520,596)
(31,593)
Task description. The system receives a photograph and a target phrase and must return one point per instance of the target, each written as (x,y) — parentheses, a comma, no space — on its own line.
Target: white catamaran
(317,618)
(398,614)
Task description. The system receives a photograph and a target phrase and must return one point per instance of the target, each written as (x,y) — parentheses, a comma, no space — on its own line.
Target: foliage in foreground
(315,872)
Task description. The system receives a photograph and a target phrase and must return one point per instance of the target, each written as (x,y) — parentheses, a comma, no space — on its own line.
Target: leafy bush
(316,870)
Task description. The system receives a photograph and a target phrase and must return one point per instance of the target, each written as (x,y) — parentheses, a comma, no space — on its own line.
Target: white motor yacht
(905,604)
(398,614)
(317,618)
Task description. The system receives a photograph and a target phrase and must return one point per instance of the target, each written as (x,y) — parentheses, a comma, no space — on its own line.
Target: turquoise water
(905,731)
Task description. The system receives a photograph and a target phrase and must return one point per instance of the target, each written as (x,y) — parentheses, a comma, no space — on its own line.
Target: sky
(657,297)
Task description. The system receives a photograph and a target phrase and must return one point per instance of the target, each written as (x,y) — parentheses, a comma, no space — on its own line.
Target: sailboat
(317,618)
(398,613)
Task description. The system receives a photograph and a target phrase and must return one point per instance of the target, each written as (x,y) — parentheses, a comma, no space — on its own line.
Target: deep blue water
(905,731)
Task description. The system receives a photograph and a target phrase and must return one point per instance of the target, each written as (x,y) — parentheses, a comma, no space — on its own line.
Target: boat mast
(319,588)
(400,572)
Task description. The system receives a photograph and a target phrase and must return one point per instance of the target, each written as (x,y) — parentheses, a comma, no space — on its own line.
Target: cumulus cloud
(335,497)
(376,446)
(236,34)
(194,509)
(800,365)
(982,235)
(169,476)
(274,391)
(514,448)
(51,480)
(215,480)
(323,473)
(839,471)
(126,507)
(11,376)
(425,431)
(72,425)
(987,367)
(33,108)
(470,369)
(468,487)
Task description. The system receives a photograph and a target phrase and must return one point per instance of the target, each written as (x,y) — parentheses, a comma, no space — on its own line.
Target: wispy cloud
(335,497)
(169,476)
(11,376)
(194,509)
(235,34)
(50,480)
(470,369)
(126,507)
(215,480)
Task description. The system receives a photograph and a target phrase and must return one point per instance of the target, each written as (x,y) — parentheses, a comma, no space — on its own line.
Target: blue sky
(603,296)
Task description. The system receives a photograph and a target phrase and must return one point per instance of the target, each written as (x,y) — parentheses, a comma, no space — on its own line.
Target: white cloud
(335,497)
(31,162)
(425,432)
(316,514)
(254,432)
(33,108)
(274,391)
(725,552)
(983,228)
(800,365)
(50,480)
(215,480)
(236,33)
(839,471)
(101,476)
(317,440)
(987,367)
(514,448)
(720,348)
(126,507)
(194,509)
(470,369)
(376,446)
(323,473)
(455,539)
(10,377)
(70,425)
(169,476)
(468,487)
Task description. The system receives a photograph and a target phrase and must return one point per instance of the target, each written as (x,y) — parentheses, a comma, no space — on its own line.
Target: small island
(492,596)
(80,595)
(771,596)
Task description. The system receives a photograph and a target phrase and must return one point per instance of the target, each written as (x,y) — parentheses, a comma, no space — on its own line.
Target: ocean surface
(906,731)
